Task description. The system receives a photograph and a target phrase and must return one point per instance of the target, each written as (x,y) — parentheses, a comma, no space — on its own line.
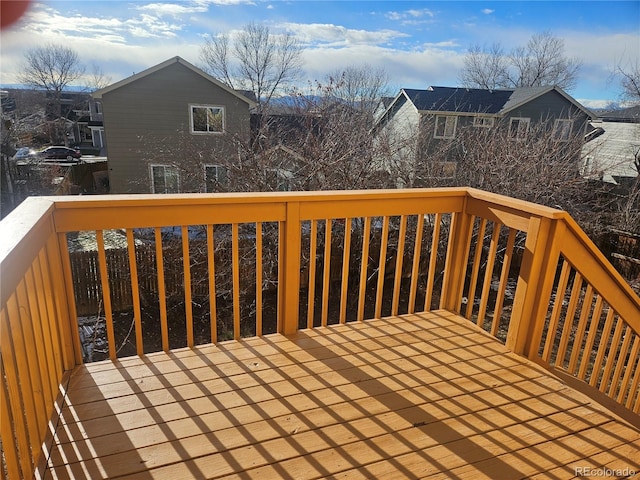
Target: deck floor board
(420,396)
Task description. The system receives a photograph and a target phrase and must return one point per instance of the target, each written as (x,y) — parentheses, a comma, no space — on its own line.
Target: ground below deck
(427,395)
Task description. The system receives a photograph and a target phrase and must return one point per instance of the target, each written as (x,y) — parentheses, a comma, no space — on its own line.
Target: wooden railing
(196,269)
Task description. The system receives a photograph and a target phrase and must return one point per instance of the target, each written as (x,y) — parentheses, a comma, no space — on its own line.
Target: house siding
(551,106)
(146,120)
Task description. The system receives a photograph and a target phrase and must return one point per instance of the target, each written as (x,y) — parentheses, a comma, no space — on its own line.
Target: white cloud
(188,7)
(336,35)
(410,14)
(488,11)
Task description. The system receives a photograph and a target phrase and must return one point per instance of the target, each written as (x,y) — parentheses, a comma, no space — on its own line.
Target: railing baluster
(106,294)
(569,319)
(433,261)
(611,357)
(634,391)
(621,361)
(10,441)
(624,392)
(162,294)
(397,278)
(384,239)
(477,257)
(16,387)
(186,269)
(364,267)
(591,337)
(415,268)
(502,286)
(312,272)
(582,325)
(259,278)
(40,340)
(346,254)
(556,311)
(488,274)
(236,280)
(49,334)
(602,347)
(211,272)
(32,352)
(22,383)
(135,292)
(326,273)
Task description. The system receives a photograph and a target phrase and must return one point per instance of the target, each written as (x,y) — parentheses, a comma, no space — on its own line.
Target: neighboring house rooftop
(242,95)
(477,100)
(451,99)
(628,115)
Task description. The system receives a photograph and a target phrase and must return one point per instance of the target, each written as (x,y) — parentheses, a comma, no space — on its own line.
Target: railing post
(290,273)
(60,269)
(455,263)
(533,290)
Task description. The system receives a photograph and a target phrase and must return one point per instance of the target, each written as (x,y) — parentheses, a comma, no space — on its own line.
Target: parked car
(59,153)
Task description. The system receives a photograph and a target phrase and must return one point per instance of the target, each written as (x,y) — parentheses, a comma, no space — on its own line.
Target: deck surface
(421,396)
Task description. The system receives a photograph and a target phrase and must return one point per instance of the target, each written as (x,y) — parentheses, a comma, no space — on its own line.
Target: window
(562,130)
(164,179)
(215,177)
(445,126)
(486,122)
(98,108)
(518,127)
(207,119)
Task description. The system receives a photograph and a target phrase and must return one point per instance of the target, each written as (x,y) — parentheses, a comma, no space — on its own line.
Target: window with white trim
(207,119)
(164,179)
(445,126)
(216,177)
(485,122)
(518,127)
(562,129)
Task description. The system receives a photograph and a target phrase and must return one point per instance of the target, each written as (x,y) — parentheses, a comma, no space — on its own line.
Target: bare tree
(253,59)
(629,77)
(51,69)
(360,86)
(485,67)
(539,63)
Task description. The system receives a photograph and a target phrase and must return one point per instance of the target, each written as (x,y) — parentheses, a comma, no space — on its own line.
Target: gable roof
(477,100)
(523,95)
(165,64)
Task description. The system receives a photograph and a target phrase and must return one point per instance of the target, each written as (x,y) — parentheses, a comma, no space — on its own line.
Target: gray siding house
(169,128)
(420,122)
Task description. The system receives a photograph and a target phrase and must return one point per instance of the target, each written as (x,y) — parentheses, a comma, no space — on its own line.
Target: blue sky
(418,43)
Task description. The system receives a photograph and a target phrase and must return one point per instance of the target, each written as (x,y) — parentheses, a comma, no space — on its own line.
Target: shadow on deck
(424,395)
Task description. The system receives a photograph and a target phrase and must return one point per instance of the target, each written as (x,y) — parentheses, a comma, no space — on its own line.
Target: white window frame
(447,119)
(560,131)
(207,132)
(216,178)
(165,167)
(484,122)
(519,133)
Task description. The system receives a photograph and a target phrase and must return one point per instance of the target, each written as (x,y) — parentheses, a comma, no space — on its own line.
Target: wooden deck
(426,395)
